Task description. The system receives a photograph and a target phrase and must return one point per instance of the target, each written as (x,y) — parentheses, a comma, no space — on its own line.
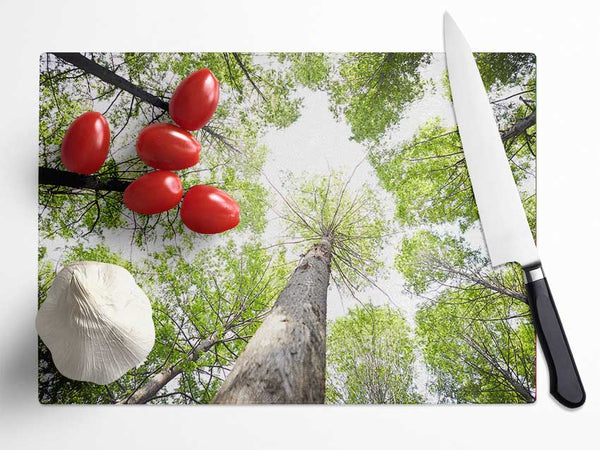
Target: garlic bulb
(96,321)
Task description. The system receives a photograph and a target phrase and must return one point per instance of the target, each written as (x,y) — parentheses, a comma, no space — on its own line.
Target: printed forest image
(358,272)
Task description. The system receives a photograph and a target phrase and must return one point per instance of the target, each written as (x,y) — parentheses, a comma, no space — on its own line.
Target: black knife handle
(565,383)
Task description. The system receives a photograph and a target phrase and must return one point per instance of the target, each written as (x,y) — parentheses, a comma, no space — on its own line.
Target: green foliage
(426,249)
(500,70)
(352,219)
(254,97)
(370,358)
(372,90)
(238,176)
(265,93)
(224,292)
(478,342)
(478,349)
(428,177)
(427,173)
(310,70)
(474,331)
(220,294)
(430,261)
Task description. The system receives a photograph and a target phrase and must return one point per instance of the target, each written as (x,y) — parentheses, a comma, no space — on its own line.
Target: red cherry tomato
(153,192)
(208,210)
(165,146)
(195,100)
(85,145)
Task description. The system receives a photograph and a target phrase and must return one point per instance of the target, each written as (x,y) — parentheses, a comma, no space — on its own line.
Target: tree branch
(247,74)
(519,127)
(110,77)
(56,177)
(93,68)
(151,387)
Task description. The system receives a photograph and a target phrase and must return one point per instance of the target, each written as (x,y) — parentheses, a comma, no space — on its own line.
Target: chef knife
(505,228)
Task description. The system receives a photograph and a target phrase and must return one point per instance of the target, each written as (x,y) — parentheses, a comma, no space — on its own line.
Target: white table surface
(566,38)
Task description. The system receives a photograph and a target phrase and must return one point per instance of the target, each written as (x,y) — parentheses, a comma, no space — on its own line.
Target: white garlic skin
(96,321)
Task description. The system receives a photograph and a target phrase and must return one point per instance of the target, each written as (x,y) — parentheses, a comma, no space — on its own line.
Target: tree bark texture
(284,361)
(56,177)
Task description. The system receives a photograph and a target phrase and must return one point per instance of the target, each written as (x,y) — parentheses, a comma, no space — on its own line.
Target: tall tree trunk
(56,177)
(158,381)
(284,361)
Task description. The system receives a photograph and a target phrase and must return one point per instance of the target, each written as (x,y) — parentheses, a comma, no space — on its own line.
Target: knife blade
(503,220)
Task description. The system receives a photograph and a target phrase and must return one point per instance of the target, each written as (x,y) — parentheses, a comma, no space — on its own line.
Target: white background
(566,38)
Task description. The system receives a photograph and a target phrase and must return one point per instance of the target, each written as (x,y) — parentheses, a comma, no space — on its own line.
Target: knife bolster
(533,273)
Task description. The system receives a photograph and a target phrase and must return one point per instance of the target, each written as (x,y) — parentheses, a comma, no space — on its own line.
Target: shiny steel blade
(505,228)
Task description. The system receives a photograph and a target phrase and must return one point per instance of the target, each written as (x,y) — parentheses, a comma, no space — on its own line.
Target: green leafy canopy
(370,358)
